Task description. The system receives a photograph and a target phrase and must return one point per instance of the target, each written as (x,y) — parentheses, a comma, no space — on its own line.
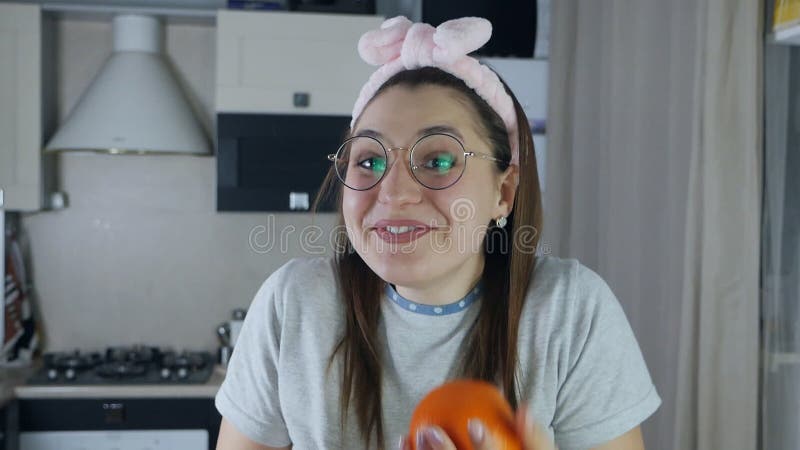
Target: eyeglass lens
(437,161)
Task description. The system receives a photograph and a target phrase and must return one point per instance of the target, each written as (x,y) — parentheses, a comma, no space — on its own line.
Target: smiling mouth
(400,230)
(401,234)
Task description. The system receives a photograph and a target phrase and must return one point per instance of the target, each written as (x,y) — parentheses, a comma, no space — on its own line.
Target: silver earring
(501,222)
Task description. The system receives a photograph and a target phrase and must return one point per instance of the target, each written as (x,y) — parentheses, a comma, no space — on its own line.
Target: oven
(123,399)
(117,423)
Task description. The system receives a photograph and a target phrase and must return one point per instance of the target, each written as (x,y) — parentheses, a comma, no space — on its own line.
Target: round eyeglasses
(437,161)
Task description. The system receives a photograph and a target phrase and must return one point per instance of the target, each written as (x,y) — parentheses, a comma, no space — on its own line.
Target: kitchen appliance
(126,398)
(125,365)
(285,92)
(135,104)
(274,162)
(228,333)
(225,350)
(236,322)
(117,423)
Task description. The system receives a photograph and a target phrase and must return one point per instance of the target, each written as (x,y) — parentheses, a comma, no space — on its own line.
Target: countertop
(16,388)
(10,378)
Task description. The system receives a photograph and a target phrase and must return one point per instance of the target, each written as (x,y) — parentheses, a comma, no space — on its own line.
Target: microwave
(286,83)
(275,162)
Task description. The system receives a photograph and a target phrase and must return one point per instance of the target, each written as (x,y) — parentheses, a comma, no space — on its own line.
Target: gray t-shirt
(582,372)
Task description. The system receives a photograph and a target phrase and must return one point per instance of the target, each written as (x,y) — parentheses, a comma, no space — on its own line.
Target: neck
(449,288)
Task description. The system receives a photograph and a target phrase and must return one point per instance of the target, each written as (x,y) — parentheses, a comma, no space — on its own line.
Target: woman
(435,278)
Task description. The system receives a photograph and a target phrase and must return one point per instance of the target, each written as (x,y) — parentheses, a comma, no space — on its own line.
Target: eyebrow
(429,130)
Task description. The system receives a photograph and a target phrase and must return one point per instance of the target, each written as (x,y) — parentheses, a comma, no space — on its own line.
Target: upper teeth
(397,230)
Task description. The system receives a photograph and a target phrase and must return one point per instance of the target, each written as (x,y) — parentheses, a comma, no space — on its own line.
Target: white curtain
(654,181)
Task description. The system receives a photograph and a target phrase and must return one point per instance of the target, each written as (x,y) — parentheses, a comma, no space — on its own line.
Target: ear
(506,191)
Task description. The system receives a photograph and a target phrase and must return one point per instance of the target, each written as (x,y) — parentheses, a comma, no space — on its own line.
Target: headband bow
(400,44)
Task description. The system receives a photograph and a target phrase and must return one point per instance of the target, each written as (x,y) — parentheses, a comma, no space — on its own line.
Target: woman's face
(440,260)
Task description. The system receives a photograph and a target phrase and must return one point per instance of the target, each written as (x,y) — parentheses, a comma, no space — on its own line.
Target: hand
(434,438)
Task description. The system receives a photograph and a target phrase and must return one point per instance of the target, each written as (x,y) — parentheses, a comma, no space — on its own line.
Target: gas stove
(124,365)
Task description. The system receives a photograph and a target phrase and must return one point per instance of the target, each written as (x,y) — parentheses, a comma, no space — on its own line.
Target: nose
(398,185)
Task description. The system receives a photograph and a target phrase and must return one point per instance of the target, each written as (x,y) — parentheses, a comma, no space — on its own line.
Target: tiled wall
(141,255)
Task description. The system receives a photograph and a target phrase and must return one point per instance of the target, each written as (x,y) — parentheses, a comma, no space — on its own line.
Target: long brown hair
(509,259)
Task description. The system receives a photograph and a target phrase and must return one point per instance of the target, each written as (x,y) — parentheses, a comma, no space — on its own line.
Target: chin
(400,276)
(403,269)
(394,266)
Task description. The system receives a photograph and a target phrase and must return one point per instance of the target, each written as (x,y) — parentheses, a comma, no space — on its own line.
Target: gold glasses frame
(387,150)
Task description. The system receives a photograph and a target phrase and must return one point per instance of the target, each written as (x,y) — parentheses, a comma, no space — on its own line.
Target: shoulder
(569,301)
(301,271)
(584,368)
(300,281)
(567,283)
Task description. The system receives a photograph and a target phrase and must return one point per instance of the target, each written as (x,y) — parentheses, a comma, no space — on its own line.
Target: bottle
(236,324)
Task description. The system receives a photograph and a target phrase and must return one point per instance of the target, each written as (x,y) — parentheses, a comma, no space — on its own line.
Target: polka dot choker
(432,310)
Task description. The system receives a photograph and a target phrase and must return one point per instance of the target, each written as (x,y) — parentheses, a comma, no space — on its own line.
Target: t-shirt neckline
(434,310)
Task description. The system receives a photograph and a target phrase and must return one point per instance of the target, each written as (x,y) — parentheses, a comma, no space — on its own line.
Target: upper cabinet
(21,175)
(290,63)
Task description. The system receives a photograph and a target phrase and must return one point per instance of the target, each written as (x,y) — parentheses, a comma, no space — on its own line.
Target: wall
(141,255)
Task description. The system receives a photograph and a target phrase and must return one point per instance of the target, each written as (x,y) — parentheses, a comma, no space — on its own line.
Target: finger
(403,443)
(533,436)
(481,440)
(433,438)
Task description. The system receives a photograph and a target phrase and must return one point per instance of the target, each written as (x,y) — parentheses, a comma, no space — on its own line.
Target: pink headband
(400,45)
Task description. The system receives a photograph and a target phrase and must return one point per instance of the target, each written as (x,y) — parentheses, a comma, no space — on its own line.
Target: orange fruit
(451,405)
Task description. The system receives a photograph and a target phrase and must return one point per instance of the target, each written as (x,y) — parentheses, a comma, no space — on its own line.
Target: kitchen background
(141,254)
(130,249)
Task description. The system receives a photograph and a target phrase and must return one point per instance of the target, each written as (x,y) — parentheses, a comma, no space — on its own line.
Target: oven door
(122,424)
(118,440)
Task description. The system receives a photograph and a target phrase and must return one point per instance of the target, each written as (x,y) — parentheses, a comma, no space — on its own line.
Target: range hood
(134,105)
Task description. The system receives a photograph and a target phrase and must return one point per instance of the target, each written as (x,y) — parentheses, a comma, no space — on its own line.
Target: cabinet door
(20,106)
(265,58)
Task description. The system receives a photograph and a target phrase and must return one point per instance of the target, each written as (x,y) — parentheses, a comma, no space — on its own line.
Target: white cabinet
(527,78)
(21,122)
(265,60)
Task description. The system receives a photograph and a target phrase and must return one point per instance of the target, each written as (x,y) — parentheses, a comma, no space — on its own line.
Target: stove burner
(120,370)
(125,365)
(74,361)
(135,355)
(191,361)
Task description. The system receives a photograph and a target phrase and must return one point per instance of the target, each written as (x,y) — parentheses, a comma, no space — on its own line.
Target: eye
(440,162)
(374,163)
